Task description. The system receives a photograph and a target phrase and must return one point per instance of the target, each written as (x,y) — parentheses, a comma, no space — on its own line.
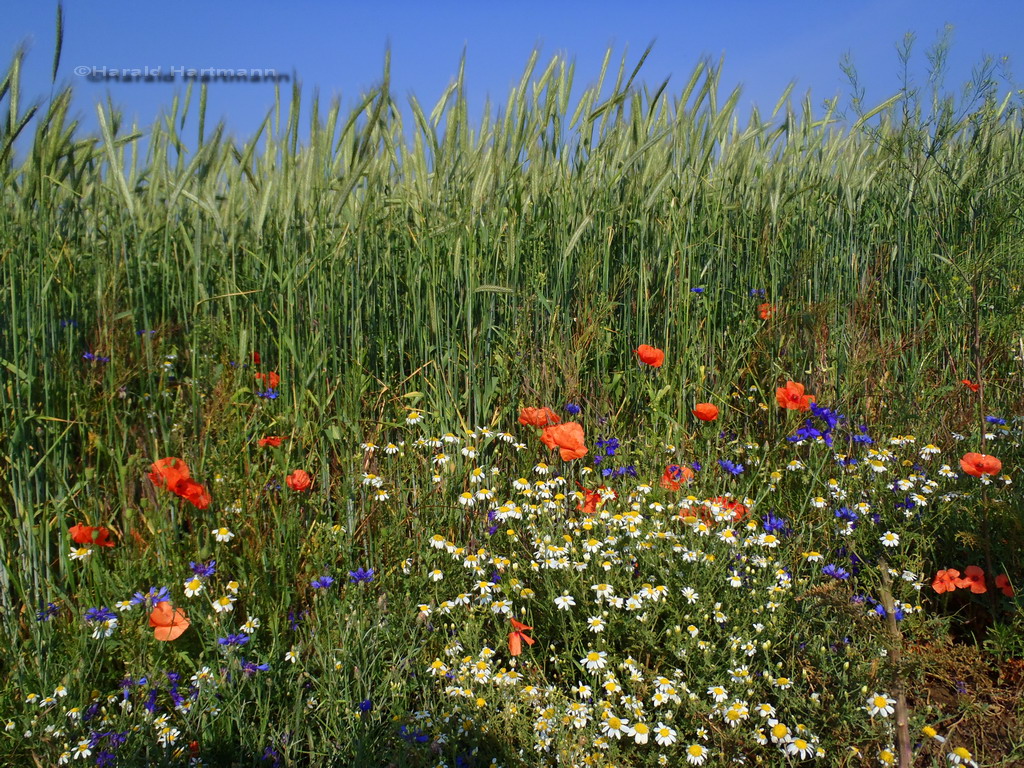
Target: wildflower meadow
(615,428)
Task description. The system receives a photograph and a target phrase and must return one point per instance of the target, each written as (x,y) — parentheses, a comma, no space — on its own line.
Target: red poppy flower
(271,380)
(172,473)
(973,579)
(675,475)
(792,397)
(255,358)
(568,438)
(978,464)
(946,580)
(194,493)
(90,534)
(168,623)
(766,310)
(538,417)
(299,480)
(517,636)
(970,385)
(705,411)
(274,441)
(1003,584)
(168,473)
(590,501)
(651,356)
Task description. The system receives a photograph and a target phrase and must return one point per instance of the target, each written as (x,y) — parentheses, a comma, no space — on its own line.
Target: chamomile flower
(961,756)
(564,602)
(696,754)
(640,732)
(664,735)
(595,661)
(880,704)
(224,604)
(800,747)
(718,693)
(614,726)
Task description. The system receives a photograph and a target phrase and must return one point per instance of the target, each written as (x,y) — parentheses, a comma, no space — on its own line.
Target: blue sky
(338,47)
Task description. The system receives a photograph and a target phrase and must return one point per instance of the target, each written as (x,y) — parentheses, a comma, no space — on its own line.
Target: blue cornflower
(47,613)
(99,614)
(697,290)
(92,357)
(69,323)
(270,394)
(361,576)
(233,640)
(203,570)
(366,705)
(105,758)
(880,610)
(995,420)
(322,583)
(773,524)
(572,408)
(154,596)
(863,437)
(696,467)
(730,467)
(830,417)
(417,735)
(808,432)
(835,572)
(847,514)
(272,756)
(117,738)
(250,668)
(757,292)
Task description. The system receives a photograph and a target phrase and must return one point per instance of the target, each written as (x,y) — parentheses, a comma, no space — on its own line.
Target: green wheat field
(271,497)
